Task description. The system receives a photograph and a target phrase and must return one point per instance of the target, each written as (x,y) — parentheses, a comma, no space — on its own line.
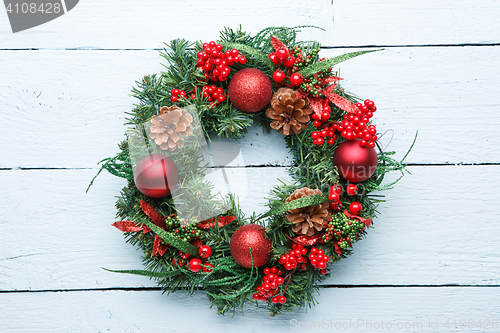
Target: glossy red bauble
(155,175)
(355,163)
(250,90)
(246,237)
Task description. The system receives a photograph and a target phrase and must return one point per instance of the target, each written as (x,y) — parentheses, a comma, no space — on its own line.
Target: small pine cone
(311,219)
(290,114)
(167,128)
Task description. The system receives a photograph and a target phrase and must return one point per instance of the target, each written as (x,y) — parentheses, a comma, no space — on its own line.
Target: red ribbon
(306,240)
(277,44)
(210,223)
(127,226)
(351,216)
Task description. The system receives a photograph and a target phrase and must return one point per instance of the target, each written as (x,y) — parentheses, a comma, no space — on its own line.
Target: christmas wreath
(193,235)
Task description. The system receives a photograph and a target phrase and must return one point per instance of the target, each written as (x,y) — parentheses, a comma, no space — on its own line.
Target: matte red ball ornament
(250,235)
(355,163)
(155,175)
(250,90)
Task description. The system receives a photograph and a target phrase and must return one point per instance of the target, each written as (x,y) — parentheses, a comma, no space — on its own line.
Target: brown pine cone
(290,114)
(311,219)
(167,128)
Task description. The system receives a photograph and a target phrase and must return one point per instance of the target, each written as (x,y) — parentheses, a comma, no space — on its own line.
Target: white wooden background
(434,254)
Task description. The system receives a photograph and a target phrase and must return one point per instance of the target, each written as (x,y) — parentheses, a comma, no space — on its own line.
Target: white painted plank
(138,25)
(400,22)
(66,108)
(356,309)
(435,228)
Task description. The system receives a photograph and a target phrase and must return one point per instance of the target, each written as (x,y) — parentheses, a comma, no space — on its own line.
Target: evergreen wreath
(280,257)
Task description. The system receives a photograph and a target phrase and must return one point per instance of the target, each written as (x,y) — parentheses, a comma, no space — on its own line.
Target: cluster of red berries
(213,93)
(195,265)
(327,134)
(176,94)
(269,287)
(336,190)
(283,56)
(355,126)
(294,258)
(215,63)
(319,260)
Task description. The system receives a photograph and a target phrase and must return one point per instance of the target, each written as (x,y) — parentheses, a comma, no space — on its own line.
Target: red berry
(314,135)
(175,92)
(331,141)
(288,62)
(205,251)
(282,53)
(183,255)
(321,265)
(371,144)
(352,189)
(323,133)
(296,79)
(222,98)
(174,99)
(275,299)
(320,141)
(234,52)
(256,296)
(325,116)
(195,265)
(278,76)
(282,299)
(369,104)
(333,197)
(321,252)
(335,189)
(209,268)
(280,280)
(317,123)
(199,54)
(355,208)
(323,271)
(288,266)
(243,60)
(274,59)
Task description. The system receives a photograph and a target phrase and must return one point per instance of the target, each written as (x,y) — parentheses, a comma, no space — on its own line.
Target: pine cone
(311,219)
(290,114)
(167,128)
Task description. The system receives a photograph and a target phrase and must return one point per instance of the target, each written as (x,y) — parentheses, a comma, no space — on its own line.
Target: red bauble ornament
(155,175)
(250,90)
(250,235)
(355,163)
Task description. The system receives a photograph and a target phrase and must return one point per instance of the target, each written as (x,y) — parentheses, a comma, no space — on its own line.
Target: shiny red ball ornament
(155,175)
(205,251)
(250,90)
(246,237)
(355,208)
(355,163)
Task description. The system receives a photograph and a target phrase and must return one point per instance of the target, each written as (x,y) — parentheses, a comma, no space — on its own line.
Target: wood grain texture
(115,24)
(66,108)
(434,229)
(149,311)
